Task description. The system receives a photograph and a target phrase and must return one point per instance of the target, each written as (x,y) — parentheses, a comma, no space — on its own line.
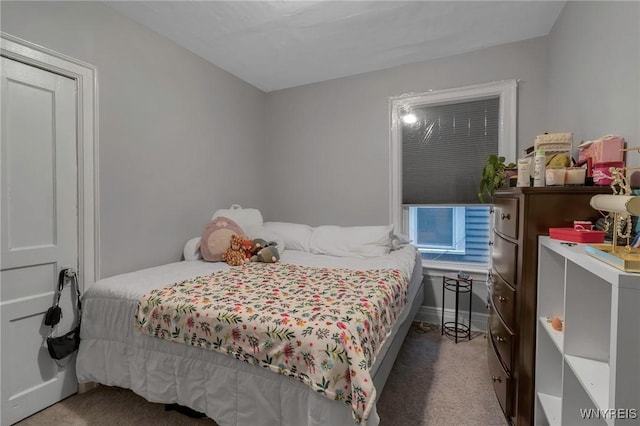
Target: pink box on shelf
(602,172)
(604,150)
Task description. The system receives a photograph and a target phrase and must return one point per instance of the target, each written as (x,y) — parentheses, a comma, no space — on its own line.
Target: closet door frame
(86,77)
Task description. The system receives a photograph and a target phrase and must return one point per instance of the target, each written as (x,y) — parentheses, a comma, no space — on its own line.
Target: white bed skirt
(228,391)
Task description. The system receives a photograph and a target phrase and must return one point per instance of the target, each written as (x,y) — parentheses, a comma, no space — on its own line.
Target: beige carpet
(110,406)
(433,382)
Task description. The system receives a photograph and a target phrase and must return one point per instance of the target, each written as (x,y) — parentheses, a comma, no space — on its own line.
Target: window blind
(444,151)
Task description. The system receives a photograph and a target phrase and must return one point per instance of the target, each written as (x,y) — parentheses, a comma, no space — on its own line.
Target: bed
(119,348)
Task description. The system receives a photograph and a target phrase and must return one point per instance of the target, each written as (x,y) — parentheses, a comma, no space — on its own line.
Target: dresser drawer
(503,339)
(505,217)
(500,378)
(505,259)
(504,300)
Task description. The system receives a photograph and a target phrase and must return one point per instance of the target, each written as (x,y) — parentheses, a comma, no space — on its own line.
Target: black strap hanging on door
(62,346)
(54,313)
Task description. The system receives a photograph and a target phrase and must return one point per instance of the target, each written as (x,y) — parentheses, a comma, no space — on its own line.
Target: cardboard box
(604,150)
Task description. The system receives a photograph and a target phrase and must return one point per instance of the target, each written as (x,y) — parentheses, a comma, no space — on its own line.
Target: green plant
(494,175)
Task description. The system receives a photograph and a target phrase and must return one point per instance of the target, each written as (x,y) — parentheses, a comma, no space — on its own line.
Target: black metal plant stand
(457,284)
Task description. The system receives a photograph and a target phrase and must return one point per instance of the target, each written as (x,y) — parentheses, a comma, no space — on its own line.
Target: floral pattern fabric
(321,326)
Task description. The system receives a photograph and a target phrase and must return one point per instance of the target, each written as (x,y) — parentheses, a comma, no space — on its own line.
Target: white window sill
(429,266)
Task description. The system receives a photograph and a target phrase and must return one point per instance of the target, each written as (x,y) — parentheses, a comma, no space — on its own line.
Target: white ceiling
(279,44)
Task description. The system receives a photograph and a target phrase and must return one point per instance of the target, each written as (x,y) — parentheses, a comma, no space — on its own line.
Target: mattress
(113,352)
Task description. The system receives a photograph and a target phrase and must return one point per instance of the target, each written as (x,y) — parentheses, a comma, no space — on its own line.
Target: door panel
(30,161)
(39,233)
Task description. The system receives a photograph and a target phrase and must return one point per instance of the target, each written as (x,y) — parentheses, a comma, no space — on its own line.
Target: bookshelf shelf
(552,407)
(594,362)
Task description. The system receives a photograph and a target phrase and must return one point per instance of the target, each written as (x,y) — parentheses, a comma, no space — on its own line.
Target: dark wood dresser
(520,215)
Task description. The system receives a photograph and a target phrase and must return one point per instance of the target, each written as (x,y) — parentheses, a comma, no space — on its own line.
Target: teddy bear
(268,254)
(263,251)
(247,249)
(257,244)
(236,254)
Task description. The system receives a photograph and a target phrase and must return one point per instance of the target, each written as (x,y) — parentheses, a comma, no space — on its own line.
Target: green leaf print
(339,354)
(218,343)
(280,334)
(229,318)
(185,308)
(322,387)
(153,301)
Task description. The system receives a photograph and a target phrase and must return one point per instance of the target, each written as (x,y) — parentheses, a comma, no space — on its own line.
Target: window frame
(505,90)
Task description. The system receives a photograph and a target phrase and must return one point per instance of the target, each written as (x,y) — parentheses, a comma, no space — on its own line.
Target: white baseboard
(433,315)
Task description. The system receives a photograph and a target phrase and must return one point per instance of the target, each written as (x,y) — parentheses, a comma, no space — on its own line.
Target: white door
(39,237)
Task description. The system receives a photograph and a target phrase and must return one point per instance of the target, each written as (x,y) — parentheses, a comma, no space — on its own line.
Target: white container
(575,176)
(524,172)
(539,168)
(555,176)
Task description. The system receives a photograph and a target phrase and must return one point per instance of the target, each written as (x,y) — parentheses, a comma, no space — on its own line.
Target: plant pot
(511,177)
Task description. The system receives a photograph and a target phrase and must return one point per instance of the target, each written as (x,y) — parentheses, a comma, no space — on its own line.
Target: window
(457,234)
(439,143)
(437,229)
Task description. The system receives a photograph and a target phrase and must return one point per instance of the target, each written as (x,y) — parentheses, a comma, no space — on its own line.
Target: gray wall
(328,154)
(594,72)
(178,137)
(328,158)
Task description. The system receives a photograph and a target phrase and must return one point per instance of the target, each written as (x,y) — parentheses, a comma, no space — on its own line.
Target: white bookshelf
(552,407)
(594,362)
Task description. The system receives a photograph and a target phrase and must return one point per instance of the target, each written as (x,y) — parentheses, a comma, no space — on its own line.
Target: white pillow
(352,241)
(248,219)
(192,249)
(295,236)
(398,241)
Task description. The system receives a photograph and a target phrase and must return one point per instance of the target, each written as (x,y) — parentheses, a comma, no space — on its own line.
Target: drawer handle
(502,299)
(500,339)
(496,379)
(505,216)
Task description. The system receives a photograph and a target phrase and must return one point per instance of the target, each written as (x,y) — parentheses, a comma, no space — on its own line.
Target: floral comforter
(321,326)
